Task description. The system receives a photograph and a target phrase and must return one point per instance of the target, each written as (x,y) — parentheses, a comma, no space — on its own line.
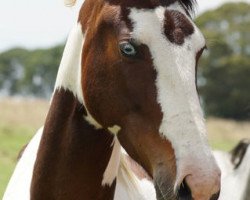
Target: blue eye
(127,49)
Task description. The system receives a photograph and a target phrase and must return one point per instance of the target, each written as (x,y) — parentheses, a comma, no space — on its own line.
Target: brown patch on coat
(177,27)
(72,156)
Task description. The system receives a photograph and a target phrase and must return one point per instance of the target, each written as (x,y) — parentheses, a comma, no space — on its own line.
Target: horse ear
(69,3)
(238,153)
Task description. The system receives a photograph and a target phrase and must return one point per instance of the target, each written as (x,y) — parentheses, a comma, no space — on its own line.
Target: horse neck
(247,192)
(246,172)
(72,156)
(242,177)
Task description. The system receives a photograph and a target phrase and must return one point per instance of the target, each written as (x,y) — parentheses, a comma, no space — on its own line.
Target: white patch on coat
(233,181)
(20,182)
(183,123)
(92,121)
(223,159)
(70,71)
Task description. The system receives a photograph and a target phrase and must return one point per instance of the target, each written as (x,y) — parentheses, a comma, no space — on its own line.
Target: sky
(45,23)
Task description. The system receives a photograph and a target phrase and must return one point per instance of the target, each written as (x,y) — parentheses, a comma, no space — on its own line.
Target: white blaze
(183,122)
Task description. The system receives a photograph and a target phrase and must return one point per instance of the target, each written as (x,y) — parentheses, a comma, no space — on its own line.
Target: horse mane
(238,153)
(189,5)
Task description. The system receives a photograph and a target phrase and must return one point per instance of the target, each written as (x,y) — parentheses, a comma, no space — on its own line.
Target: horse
(235,168)
(127,80)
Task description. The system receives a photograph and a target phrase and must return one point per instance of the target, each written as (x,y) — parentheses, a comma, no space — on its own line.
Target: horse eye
(127,49)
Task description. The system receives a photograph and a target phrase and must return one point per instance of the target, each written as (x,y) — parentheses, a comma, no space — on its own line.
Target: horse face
(138,72)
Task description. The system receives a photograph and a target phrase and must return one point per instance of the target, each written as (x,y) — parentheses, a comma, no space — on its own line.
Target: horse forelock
(189,5)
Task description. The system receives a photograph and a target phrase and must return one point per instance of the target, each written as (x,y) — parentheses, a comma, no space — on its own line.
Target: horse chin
(164,189)
(163,182)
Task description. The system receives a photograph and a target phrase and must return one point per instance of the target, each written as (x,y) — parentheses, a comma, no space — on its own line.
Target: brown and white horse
(235,168)
(127,78)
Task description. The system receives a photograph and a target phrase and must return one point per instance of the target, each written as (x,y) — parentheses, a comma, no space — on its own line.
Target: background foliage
(225,67)
(224,75)
(29,73)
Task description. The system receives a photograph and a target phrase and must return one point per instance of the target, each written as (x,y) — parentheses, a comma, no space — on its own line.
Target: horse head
(138,74)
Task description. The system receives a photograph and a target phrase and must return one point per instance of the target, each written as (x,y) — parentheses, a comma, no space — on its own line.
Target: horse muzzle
(192,183)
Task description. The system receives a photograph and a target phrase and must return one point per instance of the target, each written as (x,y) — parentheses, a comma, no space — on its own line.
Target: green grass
(19,121)
(223,145)
(12,139)
(225,134)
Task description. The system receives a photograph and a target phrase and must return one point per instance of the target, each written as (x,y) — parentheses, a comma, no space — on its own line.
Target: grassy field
(20,119)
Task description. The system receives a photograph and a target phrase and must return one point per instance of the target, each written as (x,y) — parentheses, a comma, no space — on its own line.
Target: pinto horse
(127,79)
(235,167)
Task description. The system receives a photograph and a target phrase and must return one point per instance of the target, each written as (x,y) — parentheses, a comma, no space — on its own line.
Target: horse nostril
(184,191)
(215,196)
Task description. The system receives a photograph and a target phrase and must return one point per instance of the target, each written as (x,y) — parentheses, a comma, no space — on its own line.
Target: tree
(225,68)
(30,73)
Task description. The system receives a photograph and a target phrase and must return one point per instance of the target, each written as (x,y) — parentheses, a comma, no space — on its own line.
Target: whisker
(168,194)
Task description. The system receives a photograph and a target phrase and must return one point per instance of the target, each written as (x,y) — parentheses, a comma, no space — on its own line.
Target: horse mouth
(164,184)
(166,192)
(164,188)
